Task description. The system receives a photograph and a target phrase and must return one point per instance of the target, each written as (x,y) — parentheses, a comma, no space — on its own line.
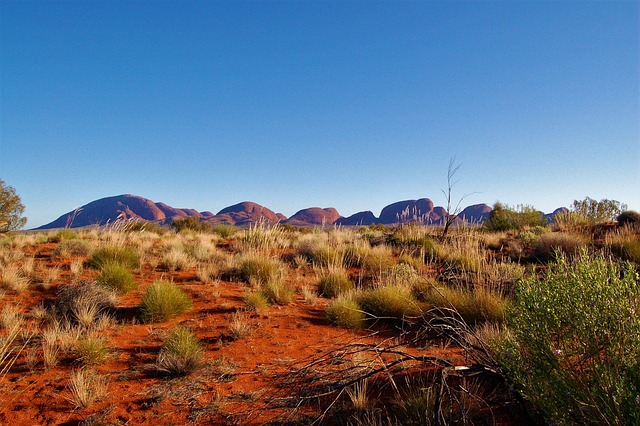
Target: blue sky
(291,104)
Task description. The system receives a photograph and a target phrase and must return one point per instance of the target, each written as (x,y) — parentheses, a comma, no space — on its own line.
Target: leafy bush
(598,211)
(190,223)
(116,277)
(126,256)
(345,312)
(334,282)
(162,301)
(181,354)
(503,218)
(574,350)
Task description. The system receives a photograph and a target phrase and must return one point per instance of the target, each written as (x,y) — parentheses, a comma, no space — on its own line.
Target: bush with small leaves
(573,349)
(224,230)
(162,301)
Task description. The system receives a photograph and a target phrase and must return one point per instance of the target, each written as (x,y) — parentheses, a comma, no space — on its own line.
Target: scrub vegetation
(512,322)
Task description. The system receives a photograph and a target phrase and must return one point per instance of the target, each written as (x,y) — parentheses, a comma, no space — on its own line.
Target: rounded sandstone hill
(359,219)
(314,216)
(247,212)
(407,211)
(119,207)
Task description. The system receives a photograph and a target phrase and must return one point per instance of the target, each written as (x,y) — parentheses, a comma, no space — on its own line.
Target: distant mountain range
(132,207)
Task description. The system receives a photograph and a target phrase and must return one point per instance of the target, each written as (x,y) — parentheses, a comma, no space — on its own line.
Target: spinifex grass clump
(162,301)
(83,303)
(255,267)
(334,282)
(116,277)
(574,350)
(345,312)
(473,305)
(126,256)
(181,354)
(277,292)
(389,302)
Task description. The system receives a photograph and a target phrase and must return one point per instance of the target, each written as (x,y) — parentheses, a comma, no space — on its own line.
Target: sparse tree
(451,216)
(11,209)
(595,211)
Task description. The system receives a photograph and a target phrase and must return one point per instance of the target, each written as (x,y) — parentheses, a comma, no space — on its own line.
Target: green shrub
(389,302)
(116,277)
(574,350)
(598,211)
(277,292)
(334,282)
(503,218)
(190,223)
(162,301)
(181,354)
(126,256)
(345,312)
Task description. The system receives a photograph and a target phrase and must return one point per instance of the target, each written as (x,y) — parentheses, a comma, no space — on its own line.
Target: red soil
(237,385)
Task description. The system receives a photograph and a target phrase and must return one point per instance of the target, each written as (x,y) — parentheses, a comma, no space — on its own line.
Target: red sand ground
(237,385)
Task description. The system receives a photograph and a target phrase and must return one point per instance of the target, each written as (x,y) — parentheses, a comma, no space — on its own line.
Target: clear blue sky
(292,104)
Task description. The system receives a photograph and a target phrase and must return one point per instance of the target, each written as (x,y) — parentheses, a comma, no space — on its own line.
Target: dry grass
(11,278)
(239,325)
(85,388)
